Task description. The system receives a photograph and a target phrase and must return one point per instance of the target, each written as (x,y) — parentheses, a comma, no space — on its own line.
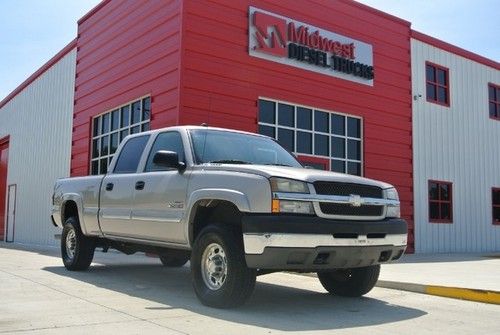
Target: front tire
(353,282)
(77,250)
(220,276)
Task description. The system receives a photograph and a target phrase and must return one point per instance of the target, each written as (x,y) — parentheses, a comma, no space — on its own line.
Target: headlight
(300,207)
(393,211)
(391,194)
(288,185)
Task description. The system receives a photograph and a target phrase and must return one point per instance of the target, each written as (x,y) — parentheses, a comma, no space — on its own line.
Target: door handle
(139,185)
(109,187)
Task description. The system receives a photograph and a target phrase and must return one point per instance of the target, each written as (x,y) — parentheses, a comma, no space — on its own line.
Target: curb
(486,296)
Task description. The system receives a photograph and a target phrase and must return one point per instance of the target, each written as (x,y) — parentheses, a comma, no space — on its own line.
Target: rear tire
(353,282)
(175,259)
(220,276)
(77,250)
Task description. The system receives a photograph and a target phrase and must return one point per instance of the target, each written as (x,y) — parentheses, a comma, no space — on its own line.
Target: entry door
(11,213)
(4,158)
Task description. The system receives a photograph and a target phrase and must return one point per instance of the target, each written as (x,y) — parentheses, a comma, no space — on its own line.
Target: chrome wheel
(214,266)
(71,244)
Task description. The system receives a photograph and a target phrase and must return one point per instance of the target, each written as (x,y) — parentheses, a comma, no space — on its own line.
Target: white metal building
(37,118)
(456,141)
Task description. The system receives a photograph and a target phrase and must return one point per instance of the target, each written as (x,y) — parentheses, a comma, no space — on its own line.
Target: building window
(437,84)
(318,138)
(440,202)
(110,128)
(494,101)
(495,201)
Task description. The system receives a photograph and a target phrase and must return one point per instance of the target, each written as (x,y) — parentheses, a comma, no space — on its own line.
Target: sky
(32,31)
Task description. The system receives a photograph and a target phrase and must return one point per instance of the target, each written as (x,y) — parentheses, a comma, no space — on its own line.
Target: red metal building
(330,79)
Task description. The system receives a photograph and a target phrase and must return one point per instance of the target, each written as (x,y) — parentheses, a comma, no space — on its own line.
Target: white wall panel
(459,144)
(39,121)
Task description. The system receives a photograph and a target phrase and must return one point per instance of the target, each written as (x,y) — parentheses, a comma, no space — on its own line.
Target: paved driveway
(136,295)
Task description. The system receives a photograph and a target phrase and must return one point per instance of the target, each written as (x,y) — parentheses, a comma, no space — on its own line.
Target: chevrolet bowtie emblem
(355,200)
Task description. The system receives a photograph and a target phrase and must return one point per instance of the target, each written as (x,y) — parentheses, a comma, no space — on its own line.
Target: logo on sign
(291,42)
(270,34)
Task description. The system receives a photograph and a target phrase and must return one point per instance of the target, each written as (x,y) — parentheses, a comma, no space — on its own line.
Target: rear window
(130,155)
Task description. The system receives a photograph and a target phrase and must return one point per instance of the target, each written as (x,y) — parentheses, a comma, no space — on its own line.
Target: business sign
(286,41)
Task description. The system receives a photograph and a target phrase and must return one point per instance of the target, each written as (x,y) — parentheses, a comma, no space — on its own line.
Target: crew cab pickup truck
(236,205)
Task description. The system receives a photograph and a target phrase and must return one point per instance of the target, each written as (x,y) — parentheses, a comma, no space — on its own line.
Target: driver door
(160,203)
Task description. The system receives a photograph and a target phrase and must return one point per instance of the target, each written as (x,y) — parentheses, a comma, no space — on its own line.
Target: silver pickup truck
(236,205)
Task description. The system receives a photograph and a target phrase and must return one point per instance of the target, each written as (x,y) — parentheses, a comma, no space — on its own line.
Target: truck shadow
(272,306)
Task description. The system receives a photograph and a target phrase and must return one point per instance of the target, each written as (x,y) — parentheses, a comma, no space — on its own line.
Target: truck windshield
(214,146)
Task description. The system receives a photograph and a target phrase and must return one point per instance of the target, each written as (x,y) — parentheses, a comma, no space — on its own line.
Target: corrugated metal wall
(39,121)
(459,144)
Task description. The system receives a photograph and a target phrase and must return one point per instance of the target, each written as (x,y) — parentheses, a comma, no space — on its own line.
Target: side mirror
(168,159)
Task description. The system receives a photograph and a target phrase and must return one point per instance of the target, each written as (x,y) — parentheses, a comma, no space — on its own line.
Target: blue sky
(32,31)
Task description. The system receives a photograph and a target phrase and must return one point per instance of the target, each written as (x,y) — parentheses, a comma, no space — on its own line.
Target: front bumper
(306,243)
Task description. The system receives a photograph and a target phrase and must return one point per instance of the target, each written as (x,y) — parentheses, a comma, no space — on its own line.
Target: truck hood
(307,175)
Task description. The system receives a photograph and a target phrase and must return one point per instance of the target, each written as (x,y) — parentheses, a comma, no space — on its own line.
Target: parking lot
(135,294)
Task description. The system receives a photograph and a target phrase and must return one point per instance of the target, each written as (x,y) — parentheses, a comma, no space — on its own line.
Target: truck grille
(348,210)
(346,189)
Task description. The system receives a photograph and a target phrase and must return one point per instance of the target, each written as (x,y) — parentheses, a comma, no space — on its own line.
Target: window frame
(118,131)
(316,157)
(437,85)
(493,206)
(112,168)
(497,102)
(439,201)
(150,152)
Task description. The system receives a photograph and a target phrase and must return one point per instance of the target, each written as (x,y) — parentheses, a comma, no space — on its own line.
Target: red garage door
(4,156)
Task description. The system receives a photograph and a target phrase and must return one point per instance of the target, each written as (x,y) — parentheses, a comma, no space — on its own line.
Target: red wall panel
(125,50)
(221,83)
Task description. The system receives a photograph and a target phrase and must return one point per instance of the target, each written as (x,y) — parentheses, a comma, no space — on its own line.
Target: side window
(131,155)
(170,141)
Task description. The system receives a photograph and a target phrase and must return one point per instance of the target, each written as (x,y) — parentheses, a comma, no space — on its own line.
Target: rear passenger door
(159,206)
(117,189)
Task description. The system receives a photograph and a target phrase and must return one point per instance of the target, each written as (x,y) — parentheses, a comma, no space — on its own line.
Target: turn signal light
(275,206)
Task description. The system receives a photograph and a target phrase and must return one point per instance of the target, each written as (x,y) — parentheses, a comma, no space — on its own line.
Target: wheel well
(218,212)
(70,209)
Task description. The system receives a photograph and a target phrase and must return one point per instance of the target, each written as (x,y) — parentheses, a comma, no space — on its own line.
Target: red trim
(497,101)
(450,202)
(7,213)
(93,11)
(436,84)
(315,160)
(493,206)
(454,49)
(70,46)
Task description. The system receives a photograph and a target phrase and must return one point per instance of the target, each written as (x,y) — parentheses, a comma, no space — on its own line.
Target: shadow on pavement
(271,306)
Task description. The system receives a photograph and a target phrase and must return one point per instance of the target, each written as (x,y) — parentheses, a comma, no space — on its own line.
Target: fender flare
(238,198)
(75,197)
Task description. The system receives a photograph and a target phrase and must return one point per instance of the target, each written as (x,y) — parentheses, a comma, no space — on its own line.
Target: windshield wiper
(230,161)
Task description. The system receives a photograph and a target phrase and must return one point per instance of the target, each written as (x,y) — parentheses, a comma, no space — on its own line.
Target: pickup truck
(236,205)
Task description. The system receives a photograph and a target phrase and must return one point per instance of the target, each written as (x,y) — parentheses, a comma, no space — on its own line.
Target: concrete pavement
(136,295)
